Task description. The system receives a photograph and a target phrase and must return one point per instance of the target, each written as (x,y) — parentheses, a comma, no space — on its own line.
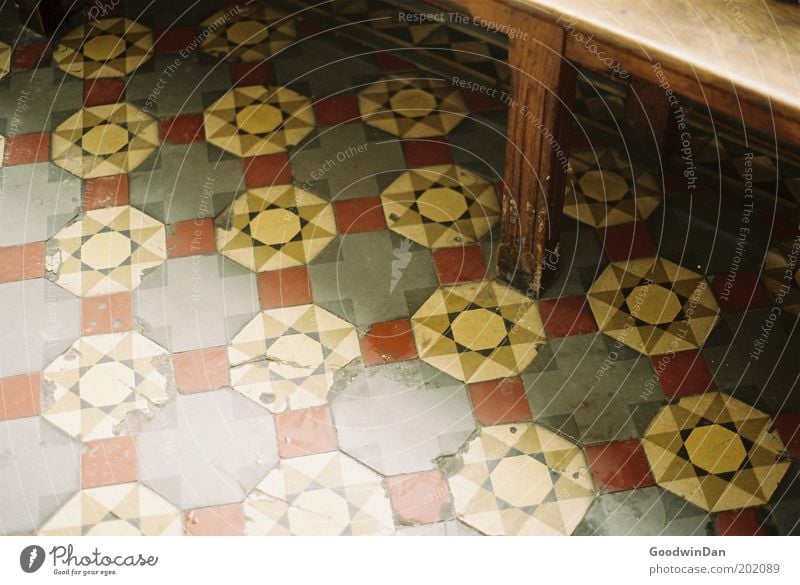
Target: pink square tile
(109,461)
(420,498)
(305,432)
(226,520)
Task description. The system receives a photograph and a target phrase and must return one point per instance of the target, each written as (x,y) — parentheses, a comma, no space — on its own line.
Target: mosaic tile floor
(248,287)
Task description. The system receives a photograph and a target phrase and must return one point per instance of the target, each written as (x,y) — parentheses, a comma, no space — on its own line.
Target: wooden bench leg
(537,155)
(650,128)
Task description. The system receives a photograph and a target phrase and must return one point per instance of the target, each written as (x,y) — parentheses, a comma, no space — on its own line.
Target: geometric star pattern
(106,251)
(412,108)
(256,120)
(275,227)
(653,305)
(5,59)
(100,141)
(441,206)
(478,331)
(111,47)
(252,34)
(716,452)
(286,358)
(328,494)
(102,379)
(781,274)
(602,190)
(127,509)
(521,479)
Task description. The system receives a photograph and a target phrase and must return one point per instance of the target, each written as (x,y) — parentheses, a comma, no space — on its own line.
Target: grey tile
(783,510)
(36,201)
(768,380)
(399,417)
(207,449)
(480,144)
(581,260)
(39,472)
(38,322)
(185,183)
(31,100)
(347,162)
(591,393)
(195,302)
(355,275)
(643,512)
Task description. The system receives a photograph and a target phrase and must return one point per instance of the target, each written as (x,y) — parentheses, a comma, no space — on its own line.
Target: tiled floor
(247,287)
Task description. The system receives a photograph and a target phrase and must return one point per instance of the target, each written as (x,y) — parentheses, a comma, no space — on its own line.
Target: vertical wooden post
(537,154)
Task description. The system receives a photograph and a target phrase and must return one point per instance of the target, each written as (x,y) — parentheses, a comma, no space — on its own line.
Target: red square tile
(627,241)
(420,498)
(740,523)
(499,401)
(174,40)
(27,148)
(97,92)
(22,262)
(683,373)
(183,129)
(284,288)
(107,314)
(788,426)
(354,216)
(105,192)
(28,56)
(305,432)
(388,342)
(109,462)
(566,316)
(308,28)
(481,102)
(267,170)
(252,73)
(459,264)
(423,153)
(340,109)
(740,291)
(390,62)
(225,520)
(19,396)
(619,466)
(201,370)
(191,238)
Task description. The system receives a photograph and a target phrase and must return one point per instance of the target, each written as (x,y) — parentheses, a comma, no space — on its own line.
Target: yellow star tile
(106,251)
(781,275)
(285,359)
(441,206)
(128,509)
(328,494)
(412,108)
(716,452)
(100,141)
(478,331)
(250,34)
(521,479)
(603,190)
(653,305)
(5,60)
(275,227)
(111,47)
(256,119)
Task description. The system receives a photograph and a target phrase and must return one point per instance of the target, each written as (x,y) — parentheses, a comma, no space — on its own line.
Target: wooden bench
(734,57)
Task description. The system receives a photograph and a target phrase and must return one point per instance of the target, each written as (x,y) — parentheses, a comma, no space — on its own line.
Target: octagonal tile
(251,34)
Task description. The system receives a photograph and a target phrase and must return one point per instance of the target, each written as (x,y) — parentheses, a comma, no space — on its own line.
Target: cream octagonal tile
(653,305)
(100,141)
(251,33)
(328,494)
(111,47)
(106,251)
(441,206)
(90,390)
(285,359)
(520,479)
(478,331)
(256,119)
(275,227)
(716,452)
